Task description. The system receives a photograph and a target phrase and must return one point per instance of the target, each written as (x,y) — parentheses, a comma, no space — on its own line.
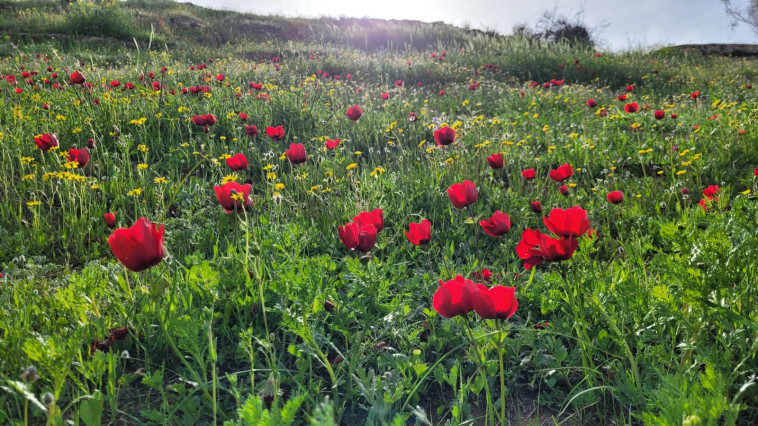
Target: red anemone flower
(374,217)
(46,141)
(711,191)
(529,174)
(77,77)
(536,206)
(210,119)
(296,153)
(591,103)
(419,233)
(275,133)
(80,156)
(234,197)
(358,236)
(498,302)
(237,162)
(659,115)
(444,136)
(251,130)
(455,297)
(138,247)
(110,219)
(562,173)
(615,197)
(536,248)
(497,225)
(631,107)
(496,161)
(244,116)
(462,194)
(567,223)
(331,144)
(199,120)
(485,274)
(354,112)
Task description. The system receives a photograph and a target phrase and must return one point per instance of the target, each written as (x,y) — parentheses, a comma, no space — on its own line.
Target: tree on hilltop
(743,14)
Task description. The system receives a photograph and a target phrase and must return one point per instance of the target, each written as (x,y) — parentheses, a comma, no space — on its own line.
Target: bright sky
(630,23)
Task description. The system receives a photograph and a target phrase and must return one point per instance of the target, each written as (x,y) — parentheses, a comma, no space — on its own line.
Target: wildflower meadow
(458,228)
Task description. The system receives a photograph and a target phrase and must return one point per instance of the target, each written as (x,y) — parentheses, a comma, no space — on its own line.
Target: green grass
(652,322)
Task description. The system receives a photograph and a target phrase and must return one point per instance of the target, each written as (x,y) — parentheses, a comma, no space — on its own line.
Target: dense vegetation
(256,310)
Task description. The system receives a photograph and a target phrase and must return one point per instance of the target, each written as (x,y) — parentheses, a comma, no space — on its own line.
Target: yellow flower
(358,153)
(28,177)
(377,172)
(224,156)
(223,138)
(139,121)
(160,179)
(745,192)
(134,192)
(26,160)
(142,148)
(159,115)
(142,166)
(351,166)
(279,186)
(230,178)
(76,130)
(33,203)
(271,175)
(268,167)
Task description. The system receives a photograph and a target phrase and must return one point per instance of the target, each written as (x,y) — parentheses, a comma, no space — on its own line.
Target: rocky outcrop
(739,50)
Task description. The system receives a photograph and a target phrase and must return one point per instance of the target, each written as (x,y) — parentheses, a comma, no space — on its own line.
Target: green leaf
(91,409)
